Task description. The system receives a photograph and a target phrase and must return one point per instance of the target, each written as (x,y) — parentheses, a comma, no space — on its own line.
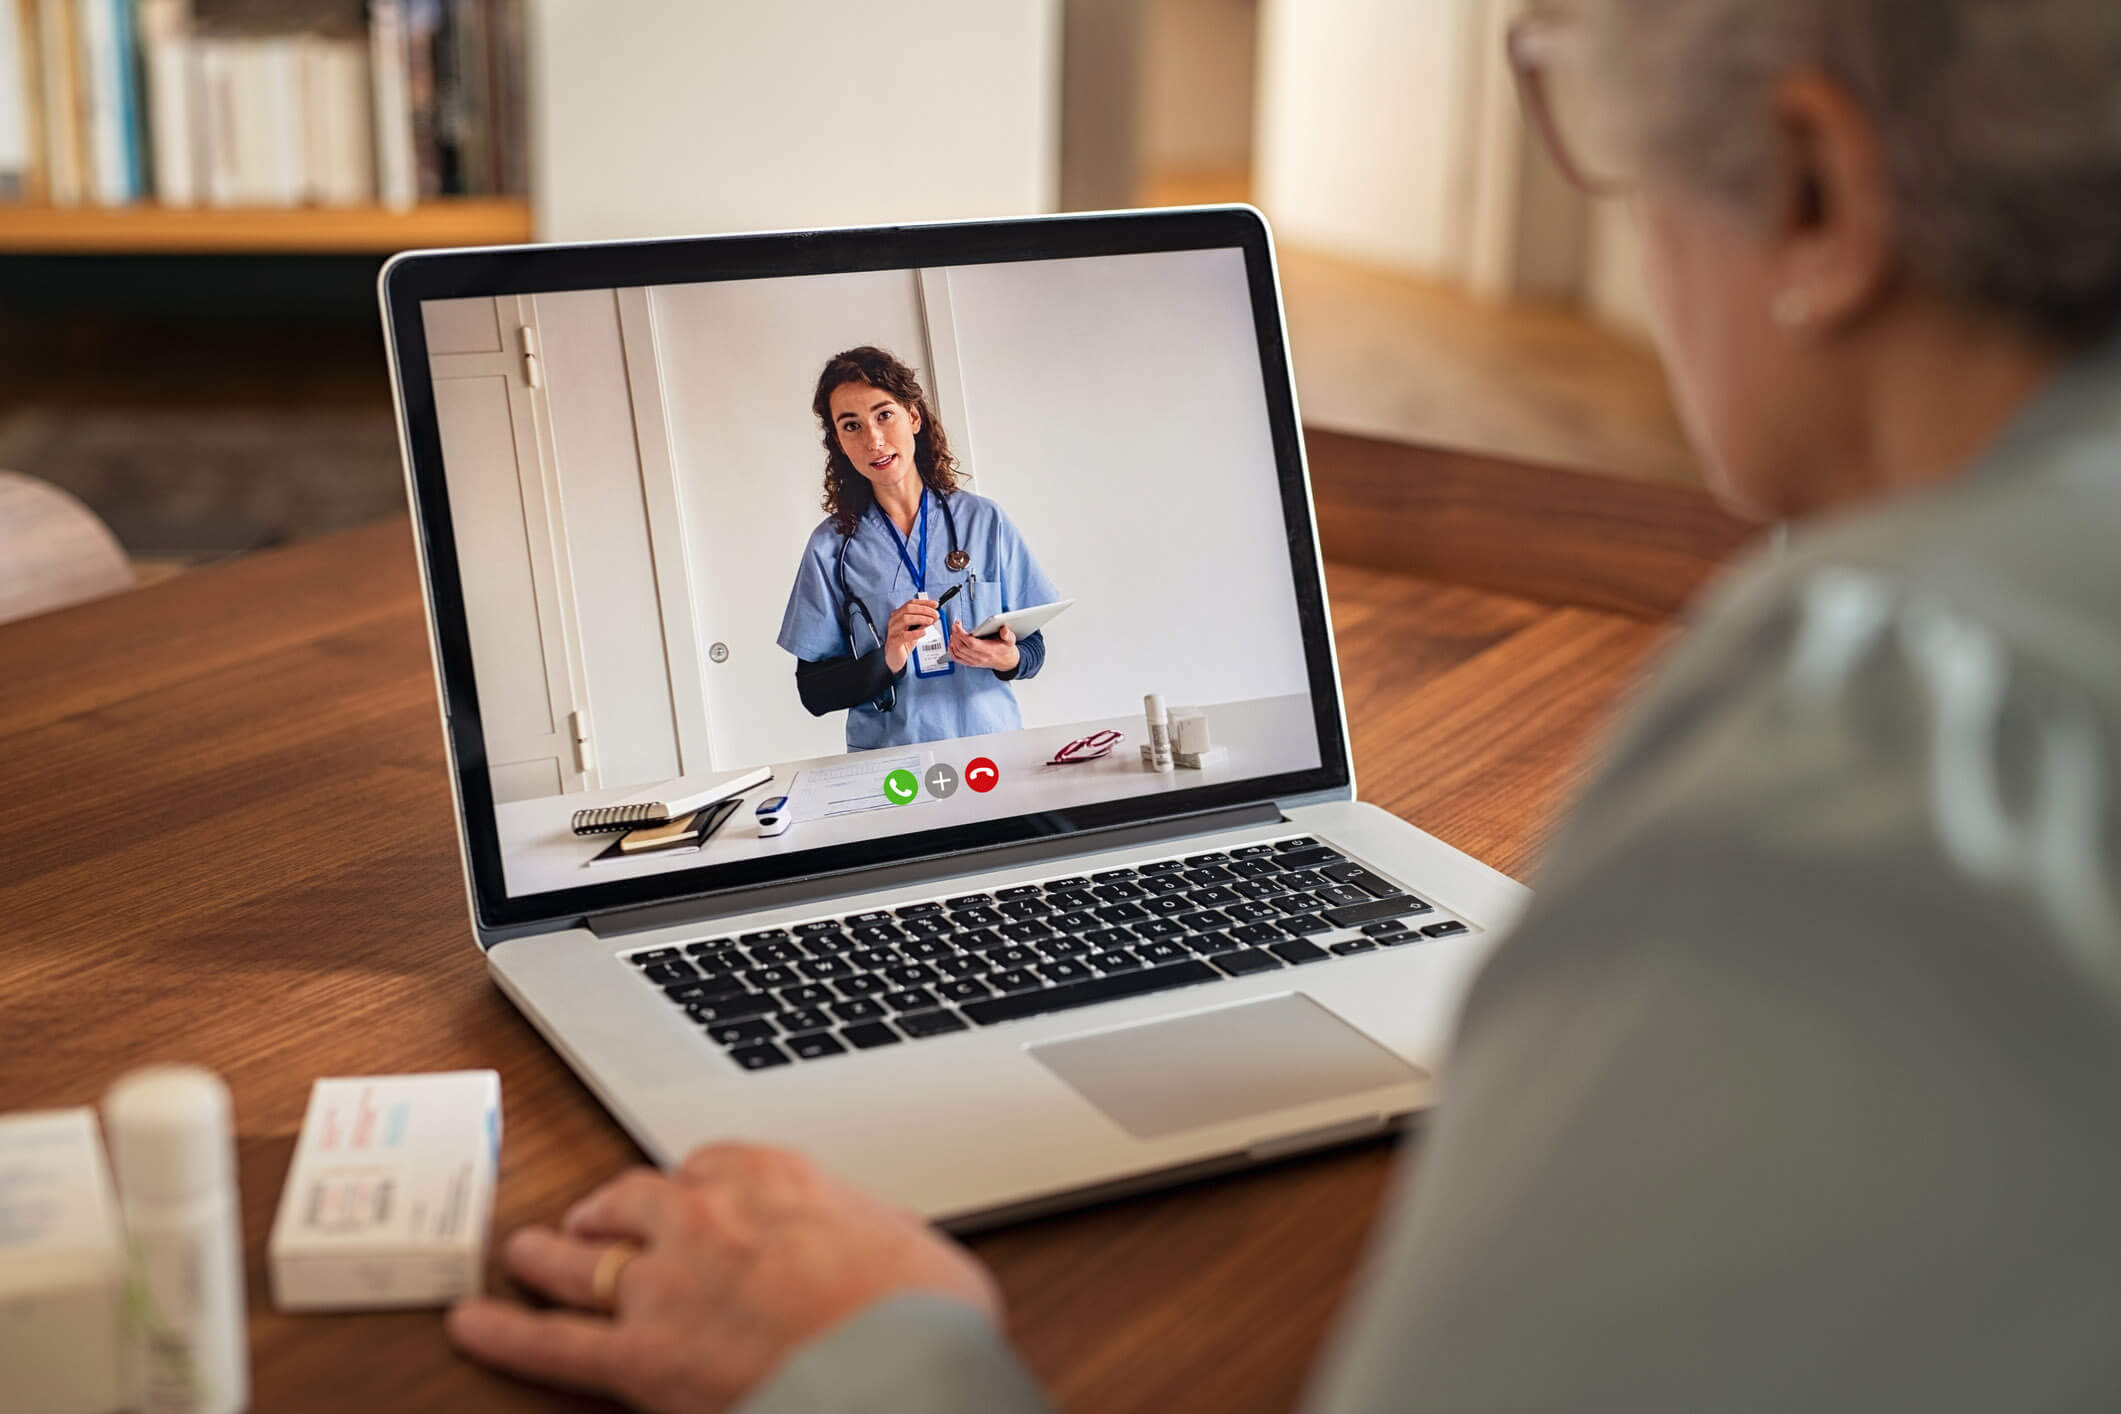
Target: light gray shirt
(1799,1086)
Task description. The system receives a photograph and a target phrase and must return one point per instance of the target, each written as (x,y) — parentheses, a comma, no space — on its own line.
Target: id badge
(931,654)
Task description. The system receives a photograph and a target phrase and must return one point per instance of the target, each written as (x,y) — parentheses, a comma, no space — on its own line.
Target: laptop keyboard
(862,980)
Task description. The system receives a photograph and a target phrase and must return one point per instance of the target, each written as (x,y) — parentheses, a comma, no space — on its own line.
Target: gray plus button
(942,781)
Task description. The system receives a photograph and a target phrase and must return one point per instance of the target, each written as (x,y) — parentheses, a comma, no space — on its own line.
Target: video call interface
(759,566)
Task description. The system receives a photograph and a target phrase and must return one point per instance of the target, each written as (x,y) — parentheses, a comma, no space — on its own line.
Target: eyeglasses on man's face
(1550,55)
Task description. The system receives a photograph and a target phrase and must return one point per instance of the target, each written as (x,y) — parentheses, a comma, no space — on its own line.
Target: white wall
(670,117)
(1122,422)
(1368,127)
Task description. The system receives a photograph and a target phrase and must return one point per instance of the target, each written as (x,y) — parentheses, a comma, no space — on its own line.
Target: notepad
(667,802)
(684,835)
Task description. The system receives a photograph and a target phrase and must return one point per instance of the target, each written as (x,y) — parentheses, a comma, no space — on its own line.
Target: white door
(738,366)
(517,609)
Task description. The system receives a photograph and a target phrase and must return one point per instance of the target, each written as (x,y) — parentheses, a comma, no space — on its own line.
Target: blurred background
(196,195)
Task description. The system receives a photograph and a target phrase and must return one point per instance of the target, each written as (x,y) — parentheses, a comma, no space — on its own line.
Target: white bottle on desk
(175,1156)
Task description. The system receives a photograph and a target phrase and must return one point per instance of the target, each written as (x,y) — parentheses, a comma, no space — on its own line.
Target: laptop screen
(935,549)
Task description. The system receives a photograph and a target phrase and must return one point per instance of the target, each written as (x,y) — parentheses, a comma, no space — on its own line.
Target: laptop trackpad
(1210,1067)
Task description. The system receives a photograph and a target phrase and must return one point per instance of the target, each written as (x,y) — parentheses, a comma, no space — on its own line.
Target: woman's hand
(999,652)
(908,622)
(746,1254)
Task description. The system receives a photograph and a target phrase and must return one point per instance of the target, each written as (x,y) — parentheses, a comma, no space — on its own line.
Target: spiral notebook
(666,803)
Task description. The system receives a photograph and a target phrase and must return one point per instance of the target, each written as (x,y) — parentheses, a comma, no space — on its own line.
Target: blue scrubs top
(964,702)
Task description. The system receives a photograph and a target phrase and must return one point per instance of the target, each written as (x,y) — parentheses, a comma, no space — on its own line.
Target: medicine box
(62,1267)
(389,1199)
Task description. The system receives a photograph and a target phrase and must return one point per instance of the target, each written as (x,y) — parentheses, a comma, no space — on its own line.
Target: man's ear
(1832,214)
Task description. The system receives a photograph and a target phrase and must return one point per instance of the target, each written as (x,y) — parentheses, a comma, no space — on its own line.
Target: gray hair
(2000,119)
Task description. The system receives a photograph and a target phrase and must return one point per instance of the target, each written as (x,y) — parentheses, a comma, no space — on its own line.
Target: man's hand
(908,622)
(999,652)
(746,1254)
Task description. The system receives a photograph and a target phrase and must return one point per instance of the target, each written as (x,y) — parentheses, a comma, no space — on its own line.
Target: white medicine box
(389,1199)
(62,1267)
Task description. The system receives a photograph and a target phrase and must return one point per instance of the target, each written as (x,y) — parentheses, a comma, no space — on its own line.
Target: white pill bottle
(175,1155)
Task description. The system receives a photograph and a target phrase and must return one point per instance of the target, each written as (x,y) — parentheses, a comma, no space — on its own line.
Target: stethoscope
(851,604)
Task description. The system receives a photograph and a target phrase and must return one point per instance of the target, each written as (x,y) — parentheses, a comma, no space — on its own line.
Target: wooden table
(227,839)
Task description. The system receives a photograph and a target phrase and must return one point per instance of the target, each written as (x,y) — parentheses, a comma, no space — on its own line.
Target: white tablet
(1022,622)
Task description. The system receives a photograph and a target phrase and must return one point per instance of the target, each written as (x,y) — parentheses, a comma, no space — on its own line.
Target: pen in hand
(948,595)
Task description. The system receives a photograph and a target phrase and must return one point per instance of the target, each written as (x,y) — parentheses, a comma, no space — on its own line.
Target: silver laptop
(987,938)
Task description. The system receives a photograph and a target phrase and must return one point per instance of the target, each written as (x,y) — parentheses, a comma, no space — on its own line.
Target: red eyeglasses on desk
(1089,748)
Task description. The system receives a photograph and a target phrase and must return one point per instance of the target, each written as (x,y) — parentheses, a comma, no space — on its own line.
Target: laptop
(991,940)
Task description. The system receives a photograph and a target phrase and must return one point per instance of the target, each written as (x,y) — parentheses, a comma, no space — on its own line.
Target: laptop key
(642,959)
(770,935)
(870,959)
(822,969)
(1297,951)
(1448,929)
(1252,912)
(1311,858)
(1097,989)
(1376,911)
(911,999)
(1118,960)
(1073,881)
(1378,930)
(967,901)
(1210,943)
(1205,921)
(776,952)
(919,910)
(1248,960)
(1063,947)
(979,940)
(975,918)
(1294,903)
(867,920)
(719,948)
(1021,891)
(927,949)
(1211,874)
(1158,928)
(965,989)
(930,1023)
(910,974)
(706,990)
(808,994)
(741,1007)
(1341,896)
(1303,924)
(1252,851)
(860,1009)
(877,934)
(1119,892)
(1018,909)
(737,1033)
(815,1046)
(961,965)
(1169,905)
(1066,969)
(1214,896)
(772,978)
(1014,980)
(869,1035)
(665,973)
(1029,931)
(1161,866)
(862,984)
(1012,956)
(1254,868)
(805,1019)
(1112,876)
(760,1057)
(1202,860)
(804,930)
(1073,900)
(1257,933)
(924,929)
(1351,946)
(1163,950)
(1075,922)
(1165,884)
(1108,938)
(1122,913)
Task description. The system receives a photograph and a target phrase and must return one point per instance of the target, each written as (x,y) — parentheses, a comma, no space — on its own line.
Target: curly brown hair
(847,493)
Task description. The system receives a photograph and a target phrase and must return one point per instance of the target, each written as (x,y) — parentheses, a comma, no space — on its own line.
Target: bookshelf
(204,230)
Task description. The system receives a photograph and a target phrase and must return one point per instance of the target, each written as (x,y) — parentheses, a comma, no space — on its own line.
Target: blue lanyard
(920,571)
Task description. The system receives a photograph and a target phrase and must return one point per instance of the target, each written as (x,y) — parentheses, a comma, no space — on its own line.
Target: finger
(563,1268)
(1007,635)
(558,1347)
(638,1204)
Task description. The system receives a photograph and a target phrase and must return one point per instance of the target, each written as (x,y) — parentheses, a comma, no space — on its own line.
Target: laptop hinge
(643,917)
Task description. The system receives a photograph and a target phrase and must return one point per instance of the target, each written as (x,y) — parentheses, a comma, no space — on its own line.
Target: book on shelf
(275,103)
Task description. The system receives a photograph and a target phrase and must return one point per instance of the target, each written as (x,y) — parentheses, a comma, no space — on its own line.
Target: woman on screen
(903,566)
